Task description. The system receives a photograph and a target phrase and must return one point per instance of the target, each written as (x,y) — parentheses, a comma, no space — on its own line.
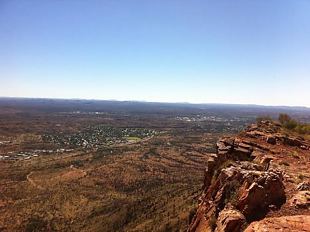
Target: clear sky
(200,51)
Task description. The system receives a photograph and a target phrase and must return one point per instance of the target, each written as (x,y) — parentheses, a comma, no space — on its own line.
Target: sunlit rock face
(248,181)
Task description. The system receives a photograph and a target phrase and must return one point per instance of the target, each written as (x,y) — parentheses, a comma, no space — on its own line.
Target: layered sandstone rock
(242,184)
(247,190)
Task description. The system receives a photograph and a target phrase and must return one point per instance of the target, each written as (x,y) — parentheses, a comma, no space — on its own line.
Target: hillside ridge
(258,180)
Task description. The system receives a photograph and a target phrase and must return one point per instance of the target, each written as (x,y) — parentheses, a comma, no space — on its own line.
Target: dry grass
(125,190)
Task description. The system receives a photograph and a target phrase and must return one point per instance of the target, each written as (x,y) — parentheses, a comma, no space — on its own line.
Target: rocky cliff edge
(257,181)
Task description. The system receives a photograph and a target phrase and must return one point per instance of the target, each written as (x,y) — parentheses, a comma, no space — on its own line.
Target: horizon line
(163,102)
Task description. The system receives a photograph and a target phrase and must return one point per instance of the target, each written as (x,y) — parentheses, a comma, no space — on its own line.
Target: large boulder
(230,220)
(256,197)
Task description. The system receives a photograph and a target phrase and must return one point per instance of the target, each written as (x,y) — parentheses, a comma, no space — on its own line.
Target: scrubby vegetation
(292,124)
(289,123)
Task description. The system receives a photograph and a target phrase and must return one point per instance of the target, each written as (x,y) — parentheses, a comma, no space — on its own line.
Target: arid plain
(108,166)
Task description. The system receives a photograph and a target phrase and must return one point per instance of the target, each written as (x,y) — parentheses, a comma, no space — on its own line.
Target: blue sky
(220,51)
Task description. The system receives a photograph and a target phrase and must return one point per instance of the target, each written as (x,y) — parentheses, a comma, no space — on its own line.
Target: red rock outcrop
(230,220)
(245,182)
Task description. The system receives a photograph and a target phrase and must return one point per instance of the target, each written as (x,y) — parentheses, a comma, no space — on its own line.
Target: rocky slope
(257,181)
